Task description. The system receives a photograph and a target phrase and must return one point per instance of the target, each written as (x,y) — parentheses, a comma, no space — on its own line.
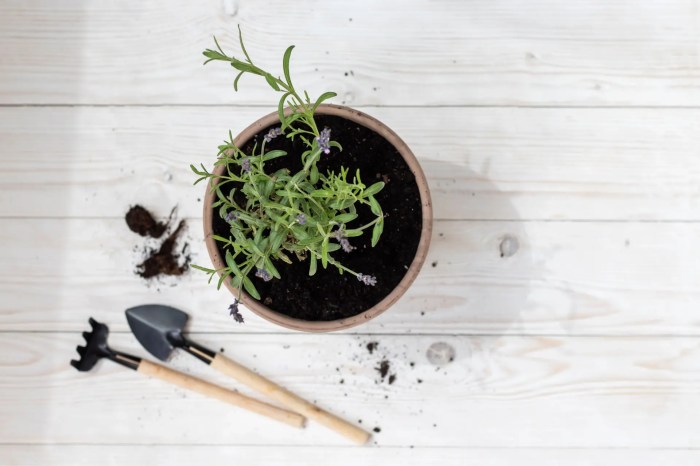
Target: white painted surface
(571,127)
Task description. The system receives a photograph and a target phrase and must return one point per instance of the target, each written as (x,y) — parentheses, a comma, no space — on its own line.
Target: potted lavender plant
(317,217)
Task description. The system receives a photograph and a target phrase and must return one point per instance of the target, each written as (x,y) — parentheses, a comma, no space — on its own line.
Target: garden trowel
(159,329)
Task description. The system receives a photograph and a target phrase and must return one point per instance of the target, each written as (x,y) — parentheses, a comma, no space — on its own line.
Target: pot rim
(426,231)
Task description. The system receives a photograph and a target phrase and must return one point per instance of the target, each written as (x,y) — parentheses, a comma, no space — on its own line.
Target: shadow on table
(479,271)
(39,154)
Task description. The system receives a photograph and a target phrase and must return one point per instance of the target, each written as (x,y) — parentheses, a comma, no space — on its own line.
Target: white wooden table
(571,127)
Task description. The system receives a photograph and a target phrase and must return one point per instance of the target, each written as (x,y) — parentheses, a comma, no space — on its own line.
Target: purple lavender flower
(234,312)
(264,274)
(231,216)
(324,140)
(272,134)
(367,279)
(345,244)
(245,165)
(342,239)
(301,218)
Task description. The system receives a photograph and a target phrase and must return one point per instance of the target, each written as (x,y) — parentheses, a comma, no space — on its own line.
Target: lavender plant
(274,216)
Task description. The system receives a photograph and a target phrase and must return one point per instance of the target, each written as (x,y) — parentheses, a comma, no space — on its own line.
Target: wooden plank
(218,455)
(481,163)
(598,52)
(564,278)
(511,392)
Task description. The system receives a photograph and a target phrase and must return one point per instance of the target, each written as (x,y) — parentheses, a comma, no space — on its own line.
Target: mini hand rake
(97,348)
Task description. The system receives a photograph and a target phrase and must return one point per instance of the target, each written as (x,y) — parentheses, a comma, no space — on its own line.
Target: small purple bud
(342,239)
(367,279)
(235,313)
(264,274)
(345,244)
(231,216)
(301,218)
(272,134)
(324,140)
(245,165)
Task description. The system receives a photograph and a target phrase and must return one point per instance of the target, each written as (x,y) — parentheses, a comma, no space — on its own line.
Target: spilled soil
(166,259)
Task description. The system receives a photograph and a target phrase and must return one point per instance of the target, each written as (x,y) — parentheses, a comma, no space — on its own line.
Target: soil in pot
(329,295)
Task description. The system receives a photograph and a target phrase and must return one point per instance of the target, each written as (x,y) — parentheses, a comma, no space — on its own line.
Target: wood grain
(565,278)
(221,455)
(511,392)
(560,141)
(550,164)
(417,52)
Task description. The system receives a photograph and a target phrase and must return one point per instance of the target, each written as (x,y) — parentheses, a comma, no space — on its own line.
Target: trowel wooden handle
(287,398)
(214,391)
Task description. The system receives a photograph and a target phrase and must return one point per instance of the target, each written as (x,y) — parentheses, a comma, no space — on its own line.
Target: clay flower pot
(271,315)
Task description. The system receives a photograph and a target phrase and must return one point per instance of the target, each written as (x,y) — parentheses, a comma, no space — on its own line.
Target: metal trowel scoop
(159,329)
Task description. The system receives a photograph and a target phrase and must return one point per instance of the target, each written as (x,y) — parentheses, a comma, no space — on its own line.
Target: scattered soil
(165,260)
(371,346)
(142,222)
(329,295)
(377,429)
(383,368)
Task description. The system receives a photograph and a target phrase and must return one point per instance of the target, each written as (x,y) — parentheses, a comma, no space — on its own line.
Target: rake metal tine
(80,350)
(75,364)
(87,335)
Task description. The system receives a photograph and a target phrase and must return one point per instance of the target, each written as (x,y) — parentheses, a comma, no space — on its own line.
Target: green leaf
(273,154)
(312,265)
(374,205)
(272,82)
(280,109)
(321,193)
(203,269)
(235,81)
(242,66)
(332,247)
(250,288)
(374,189)
(314,174)
(231,262)
(218,46)
(254,247)
(214,55)
(285,65)
(270,267)
(345,218)
(221,279)
(353,233)
(323,97)
(377,232)
(324,253)
(277,237)
(240,39)
(284,257)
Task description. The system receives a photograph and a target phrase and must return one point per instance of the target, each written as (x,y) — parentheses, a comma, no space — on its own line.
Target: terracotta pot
(427,212)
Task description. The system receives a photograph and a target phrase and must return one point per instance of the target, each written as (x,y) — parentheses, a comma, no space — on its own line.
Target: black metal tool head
(95,348)
(158,328)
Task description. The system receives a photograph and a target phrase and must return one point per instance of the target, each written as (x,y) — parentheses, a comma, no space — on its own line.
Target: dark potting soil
(329,295)
(166,260)
(142,222)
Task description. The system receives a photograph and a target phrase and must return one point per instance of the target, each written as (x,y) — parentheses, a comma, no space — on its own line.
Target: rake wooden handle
(214,391)
(289,399)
